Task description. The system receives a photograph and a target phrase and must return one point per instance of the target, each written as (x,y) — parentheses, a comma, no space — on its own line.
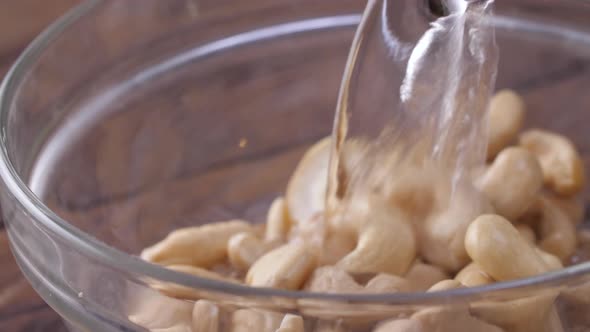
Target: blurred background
(21,309)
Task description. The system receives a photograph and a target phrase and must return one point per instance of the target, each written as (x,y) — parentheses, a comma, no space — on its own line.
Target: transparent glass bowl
(128,119)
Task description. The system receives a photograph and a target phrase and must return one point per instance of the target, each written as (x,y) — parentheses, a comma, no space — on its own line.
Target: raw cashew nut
(527,233)
(505,120)
(386,243)
(563,168)
(414,189)
(243,249)
(312,233)
(330,279)
(285,267)
(199,272)
(512,183)
(473,275)
(400,325)
(154,311)
(201,246)
(247,320)
(337,244)
(205,317)
(522,315)
(452,320)
(444,285)
(387,283)
(441,236)
(422,276)
(573,206)
(330,243)
(497,247)
(175,328)
(557,233)
(277,221)
(583,236)
(554,323)
(329,326)
(291,323)
(582,253)
(574,303)
(552,261)
(183,292)
(306,190)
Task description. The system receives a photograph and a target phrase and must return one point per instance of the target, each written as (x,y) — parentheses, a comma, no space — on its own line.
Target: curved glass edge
(66,304)
(95,249)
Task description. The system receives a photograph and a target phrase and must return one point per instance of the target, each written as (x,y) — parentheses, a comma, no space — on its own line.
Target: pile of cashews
(529,205)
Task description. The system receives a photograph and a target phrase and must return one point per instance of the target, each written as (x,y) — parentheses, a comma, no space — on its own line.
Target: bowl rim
(87,245)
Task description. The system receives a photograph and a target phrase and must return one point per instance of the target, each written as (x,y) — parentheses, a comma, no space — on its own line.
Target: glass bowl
(128,119)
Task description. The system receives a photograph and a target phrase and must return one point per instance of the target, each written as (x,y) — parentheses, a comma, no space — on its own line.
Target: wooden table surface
(21,309)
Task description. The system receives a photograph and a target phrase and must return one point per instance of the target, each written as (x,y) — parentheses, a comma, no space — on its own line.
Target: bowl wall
(131,120)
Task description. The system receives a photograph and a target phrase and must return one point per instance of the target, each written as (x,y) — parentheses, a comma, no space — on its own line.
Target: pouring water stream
(408,83)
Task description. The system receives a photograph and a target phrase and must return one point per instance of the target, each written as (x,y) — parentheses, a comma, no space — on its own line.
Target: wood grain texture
(21,309)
